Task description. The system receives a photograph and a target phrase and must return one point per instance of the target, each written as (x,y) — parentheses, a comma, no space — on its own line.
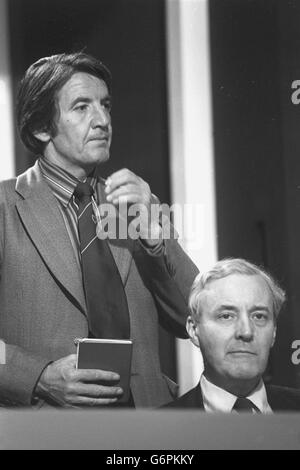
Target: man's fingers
(120,178)
(123,197)
(96,375)
(94,391)
(126,189)
(85,401)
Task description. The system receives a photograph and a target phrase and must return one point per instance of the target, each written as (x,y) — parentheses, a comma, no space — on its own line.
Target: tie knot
(83,190)
(243,404)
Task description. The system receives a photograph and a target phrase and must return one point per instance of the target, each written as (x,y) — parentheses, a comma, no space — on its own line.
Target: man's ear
(43,136)
(191,328)
(274,336)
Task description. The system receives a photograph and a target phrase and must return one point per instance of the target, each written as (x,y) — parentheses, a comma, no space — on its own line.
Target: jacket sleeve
(18,375)
(169,274)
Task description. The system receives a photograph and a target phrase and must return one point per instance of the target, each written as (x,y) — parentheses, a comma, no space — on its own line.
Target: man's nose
(244,328)
(101,116)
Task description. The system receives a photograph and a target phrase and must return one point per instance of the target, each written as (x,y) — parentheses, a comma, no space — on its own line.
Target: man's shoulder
(191,399)
(8,184)
(24,183)
(11,189)
(283,398)
(7,188)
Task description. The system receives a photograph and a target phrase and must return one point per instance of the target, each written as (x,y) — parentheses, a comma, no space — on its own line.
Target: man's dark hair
(36,101)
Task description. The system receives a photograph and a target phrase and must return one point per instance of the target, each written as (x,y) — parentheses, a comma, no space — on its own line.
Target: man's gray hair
(226,267)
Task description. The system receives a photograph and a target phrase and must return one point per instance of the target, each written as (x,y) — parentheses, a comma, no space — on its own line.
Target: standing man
(58,279)
(234,309)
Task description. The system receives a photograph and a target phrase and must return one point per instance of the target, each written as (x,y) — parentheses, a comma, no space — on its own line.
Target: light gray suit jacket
(42,303)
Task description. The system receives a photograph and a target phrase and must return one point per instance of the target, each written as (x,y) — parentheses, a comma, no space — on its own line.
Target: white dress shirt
(218,400)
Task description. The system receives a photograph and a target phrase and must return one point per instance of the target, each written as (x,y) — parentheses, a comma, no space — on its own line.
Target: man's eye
(107,105)
(260,317)
(225,316)
(81,107)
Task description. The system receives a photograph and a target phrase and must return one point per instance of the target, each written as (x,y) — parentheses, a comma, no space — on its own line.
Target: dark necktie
(105,296)
(244,405)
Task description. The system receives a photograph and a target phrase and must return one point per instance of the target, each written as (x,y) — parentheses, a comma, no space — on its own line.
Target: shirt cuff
(156,250)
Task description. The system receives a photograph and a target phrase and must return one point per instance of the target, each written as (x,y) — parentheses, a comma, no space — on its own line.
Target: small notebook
(107,354)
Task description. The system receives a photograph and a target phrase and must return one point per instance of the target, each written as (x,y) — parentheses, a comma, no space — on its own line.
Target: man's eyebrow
(86,99)
(80,99)
(260,308)
(233,308)
(222,307)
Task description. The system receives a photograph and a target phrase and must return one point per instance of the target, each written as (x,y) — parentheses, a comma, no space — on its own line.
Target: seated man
(234,308)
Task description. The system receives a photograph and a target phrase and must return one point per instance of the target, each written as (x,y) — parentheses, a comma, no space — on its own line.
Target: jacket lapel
(191,399)
(45,226)
(281,398)
(196,396)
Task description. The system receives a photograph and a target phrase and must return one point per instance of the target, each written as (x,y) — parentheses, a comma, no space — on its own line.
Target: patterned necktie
(244,405)
(105,296)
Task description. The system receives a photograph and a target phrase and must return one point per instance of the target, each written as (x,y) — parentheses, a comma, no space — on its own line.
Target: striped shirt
(63,185)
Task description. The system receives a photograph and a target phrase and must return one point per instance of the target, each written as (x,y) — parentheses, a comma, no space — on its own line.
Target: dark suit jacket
(279,399)
(42,303)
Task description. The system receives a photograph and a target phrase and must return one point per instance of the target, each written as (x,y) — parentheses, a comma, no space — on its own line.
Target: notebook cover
(111,355)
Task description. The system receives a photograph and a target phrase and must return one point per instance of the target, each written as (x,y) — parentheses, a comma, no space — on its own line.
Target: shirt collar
(61,182)
(259,397)
(216,399)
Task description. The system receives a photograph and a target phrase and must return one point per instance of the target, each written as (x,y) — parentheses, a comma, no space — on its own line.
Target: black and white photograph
(150,227)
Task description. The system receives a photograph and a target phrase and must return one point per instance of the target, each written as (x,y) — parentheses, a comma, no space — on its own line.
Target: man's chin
(244,373)
(102,157)
(97,160)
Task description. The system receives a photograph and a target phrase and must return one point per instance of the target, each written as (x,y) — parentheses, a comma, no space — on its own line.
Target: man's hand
(124,187)
(71,387)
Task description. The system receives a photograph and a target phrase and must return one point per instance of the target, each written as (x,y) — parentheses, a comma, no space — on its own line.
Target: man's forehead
(237,288)
(82,83)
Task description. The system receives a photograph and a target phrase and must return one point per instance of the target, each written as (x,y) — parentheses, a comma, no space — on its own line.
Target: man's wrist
(153,237)
(38,389)
(153,246)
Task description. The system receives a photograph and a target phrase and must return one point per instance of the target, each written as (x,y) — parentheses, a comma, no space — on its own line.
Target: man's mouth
(242,351)
(103,138)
